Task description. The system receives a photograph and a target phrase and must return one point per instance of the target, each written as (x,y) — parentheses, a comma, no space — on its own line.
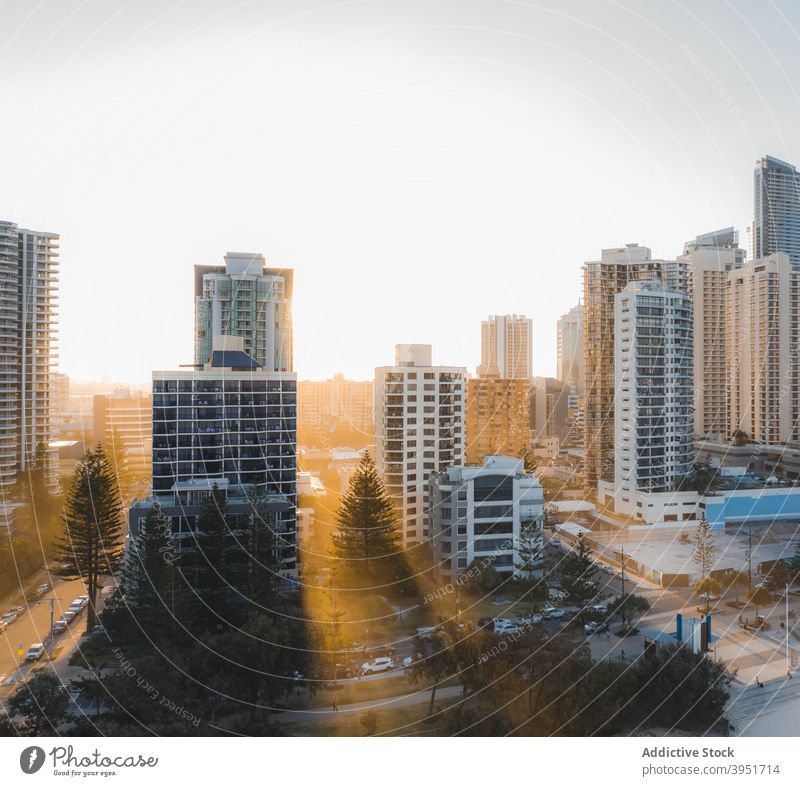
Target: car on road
(84,599)
(7,619)
(35,651)
(556,542)
(377,665)
(407,662)
(59,626)
(709,596)
(509,630)
(591,627)
(552,613)
(600,608)
(69,616)
(17,611)
(42,589)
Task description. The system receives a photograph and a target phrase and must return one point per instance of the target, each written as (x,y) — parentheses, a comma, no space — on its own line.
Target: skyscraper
(335,403)
(653,377)
(602,281)
(710,259)
(245,298)
(570,349)
(498,417)
(507,347)
(419,431)
(762,339)
(776,224)
(229,425)
(28,312)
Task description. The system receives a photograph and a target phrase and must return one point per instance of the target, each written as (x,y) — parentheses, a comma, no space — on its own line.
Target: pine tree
(91,544)
(703,556)
(148,568)
(207,563)
(366,539)
(262,574)
(577,571)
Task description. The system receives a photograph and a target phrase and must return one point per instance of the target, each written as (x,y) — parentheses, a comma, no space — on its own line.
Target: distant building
(776,227)
(507,347)
(124,421)
(28,333)
(602,280)
(230,424)
(59,398)
(570,349)
(480,513)
(335,403)
(711,258)
(419,431)
(498,417)
(762,301)
(549,413)
(245,298)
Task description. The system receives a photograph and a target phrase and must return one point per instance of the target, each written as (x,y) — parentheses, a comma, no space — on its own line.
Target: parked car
(42,589)
(556,542)
(600,608)
(591,627)
(84,599)
(407,662)
(377,665)
(552,613)
(59,626)
(708,596)
(509,630)
(17,611)
(35,651)
(68,616)
(7,619)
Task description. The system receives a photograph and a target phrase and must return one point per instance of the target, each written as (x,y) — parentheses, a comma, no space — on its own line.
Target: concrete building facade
(419,431)
(507,347)
(498,417)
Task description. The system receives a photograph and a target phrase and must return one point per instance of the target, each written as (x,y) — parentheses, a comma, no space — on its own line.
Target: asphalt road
(34,626)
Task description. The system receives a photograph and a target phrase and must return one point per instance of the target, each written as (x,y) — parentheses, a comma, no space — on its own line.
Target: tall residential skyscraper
(498,417)
(776,224)
(231,425)
(549,408)
(123,424)
(653,376)
(507,347)
(245,298)
(28,313)
(710,259)
(762,304)
(570,349)
(419,431)
(602,281)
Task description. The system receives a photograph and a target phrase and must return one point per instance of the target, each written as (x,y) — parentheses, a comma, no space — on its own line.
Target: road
(34,626)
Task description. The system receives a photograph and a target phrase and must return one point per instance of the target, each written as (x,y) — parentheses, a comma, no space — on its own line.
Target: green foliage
(91,544)
(42,703)
(631,609)
(577,572)
(366,541)
(703,479)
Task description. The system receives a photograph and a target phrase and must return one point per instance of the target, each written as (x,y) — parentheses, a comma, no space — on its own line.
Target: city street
(34,626)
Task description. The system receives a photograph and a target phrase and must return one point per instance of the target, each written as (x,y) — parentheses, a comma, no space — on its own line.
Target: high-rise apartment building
(482,512)
(507,347)
(336,403)
(653,405)
(549,413)
(419,431)
(498,417)
(28,312)
(59,397)
(570,349)
(245,298)
(776,225)
(603,279)
(710,258)
(230,425)
(123,425)
(762,341)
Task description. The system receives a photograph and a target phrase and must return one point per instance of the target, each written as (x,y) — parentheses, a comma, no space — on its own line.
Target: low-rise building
(481,512)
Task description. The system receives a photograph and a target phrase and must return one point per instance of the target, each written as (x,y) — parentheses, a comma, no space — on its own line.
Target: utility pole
(623,588)
(52,614)
(749,559)
(788,654)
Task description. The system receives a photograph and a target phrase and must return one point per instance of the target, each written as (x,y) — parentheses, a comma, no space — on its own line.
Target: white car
(35,651)
(591,627)
(509,630)
(407,662)
(600,608)
(42,589)
(377,665)
(8,618)
(84,600)
(69,615)
(59,626)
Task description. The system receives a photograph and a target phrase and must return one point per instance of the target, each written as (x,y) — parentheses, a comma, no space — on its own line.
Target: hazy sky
(419,164)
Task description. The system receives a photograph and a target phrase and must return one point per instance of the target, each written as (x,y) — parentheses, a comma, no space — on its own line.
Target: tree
(42,702)
(366,539)
(783,573)
(436,659)
(738,580)
(704,553)
(740,438)
(631,608)
(529,551)
(577,571)
(207,563)
(369,722)
(758,596)
(91,544)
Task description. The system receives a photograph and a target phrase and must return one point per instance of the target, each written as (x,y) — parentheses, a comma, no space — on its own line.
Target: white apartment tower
(603,279)
(245,298)
(653,417)
(762,340)
(28,330)
(710,259)
(507,347)
(419,431)
(570,349)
